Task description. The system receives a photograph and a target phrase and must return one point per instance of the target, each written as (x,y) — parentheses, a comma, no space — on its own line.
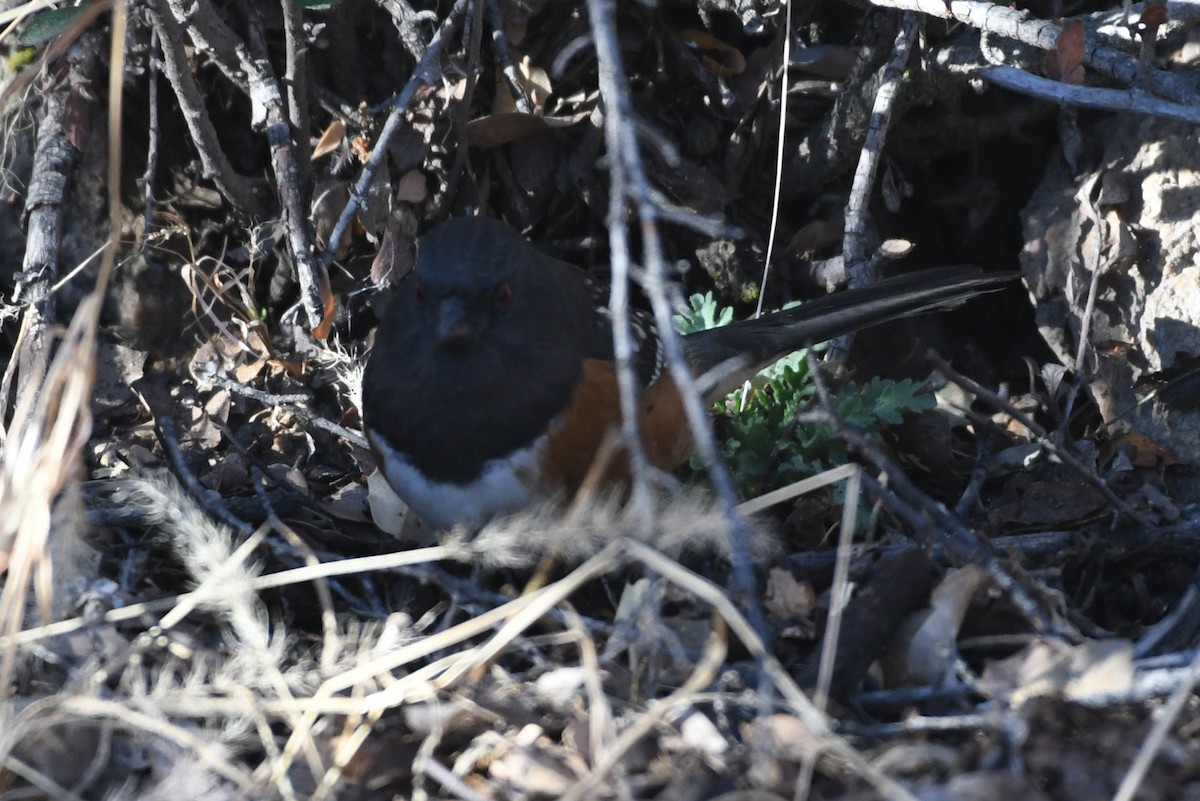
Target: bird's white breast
(505,486)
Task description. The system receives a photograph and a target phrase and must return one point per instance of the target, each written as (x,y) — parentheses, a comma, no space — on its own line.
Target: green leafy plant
(701,314)
(761,442)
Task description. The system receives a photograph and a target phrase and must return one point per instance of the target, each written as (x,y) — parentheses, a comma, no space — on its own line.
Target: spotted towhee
(492,384)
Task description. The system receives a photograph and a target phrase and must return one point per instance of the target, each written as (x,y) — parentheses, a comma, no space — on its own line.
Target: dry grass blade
(813,719)
(796,489)
(427,681)
(39,458)
(52,419)
(702,676)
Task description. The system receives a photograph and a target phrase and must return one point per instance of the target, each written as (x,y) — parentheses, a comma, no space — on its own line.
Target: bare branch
(425,73)
(239,189)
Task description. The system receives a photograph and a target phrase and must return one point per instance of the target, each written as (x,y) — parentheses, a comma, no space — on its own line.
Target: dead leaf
(718,56)
(923,650)
(534,80)
(1017,457)
(1143,451)
(204,425)
(331,139)
(537,766)
(1121,247)
(1052,503)
(328,306)
(788,599)
(1100,668)
(1064,62)
(577,735)
(227,475)
(397,255)
(387,510)
(1070,45)
(350,502)
(633,598)
(377,210)
(501,129)
(248,371)
(295,477)
(361,147)
(118,367)
(287,366)
(329,200)
(77,124)
(786,737)
(1092,669)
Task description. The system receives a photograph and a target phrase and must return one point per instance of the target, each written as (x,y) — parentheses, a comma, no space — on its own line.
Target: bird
(491,385)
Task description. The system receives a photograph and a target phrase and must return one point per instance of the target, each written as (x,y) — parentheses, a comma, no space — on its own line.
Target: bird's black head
(469,273)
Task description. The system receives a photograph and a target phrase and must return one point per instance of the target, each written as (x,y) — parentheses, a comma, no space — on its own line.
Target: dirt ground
(207,594)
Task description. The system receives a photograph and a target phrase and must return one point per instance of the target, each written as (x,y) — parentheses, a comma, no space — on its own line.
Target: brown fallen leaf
(1090,669)
(331,139)
(788,599)
(923,649)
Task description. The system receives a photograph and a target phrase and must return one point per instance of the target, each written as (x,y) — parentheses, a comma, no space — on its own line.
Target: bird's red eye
(418,293)
(504,295)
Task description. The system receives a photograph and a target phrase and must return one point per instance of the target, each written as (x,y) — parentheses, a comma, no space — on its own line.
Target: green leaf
(47,25)
(759,442)
(701,314)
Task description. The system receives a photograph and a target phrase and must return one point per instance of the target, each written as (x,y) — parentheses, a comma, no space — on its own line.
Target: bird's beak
(454,325)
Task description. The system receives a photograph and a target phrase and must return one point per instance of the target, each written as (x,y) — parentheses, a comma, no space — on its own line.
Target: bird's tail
(747,346)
